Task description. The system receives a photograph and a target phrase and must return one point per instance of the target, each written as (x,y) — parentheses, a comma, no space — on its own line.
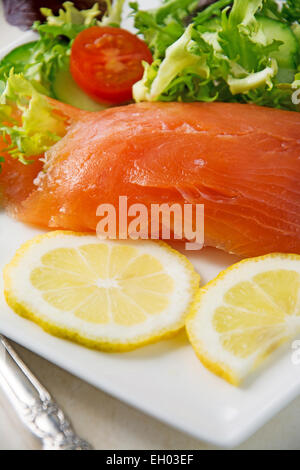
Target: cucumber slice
(65,89)
(287,53)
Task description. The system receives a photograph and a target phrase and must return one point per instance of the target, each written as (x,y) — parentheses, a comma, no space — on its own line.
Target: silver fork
(34,404)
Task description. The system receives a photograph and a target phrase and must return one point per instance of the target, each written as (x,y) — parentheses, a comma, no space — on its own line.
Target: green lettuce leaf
(179,57)
(163,26)
(27,121)
(212,11)
(70,21)
(222,55)
(271,10)
(291,10)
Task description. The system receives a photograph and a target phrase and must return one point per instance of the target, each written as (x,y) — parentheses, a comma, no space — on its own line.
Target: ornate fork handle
(48,422)
(34,405)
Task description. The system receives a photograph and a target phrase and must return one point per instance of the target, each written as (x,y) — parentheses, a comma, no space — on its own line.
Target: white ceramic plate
(165,380)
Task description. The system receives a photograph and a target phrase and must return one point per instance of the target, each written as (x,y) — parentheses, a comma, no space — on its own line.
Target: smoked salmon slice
(241,161)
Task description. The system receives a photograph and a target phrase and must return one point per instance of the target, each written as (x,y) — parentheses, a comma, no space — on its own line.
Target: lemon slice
(107,295)
(245,313)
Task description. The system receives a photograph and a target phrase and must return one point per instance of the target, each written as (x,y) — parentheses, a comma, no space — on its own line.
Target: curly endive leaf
(28,122)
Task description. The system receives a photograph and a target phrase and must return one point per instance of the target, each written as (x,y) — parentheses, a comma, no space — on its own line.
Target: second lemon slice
(109,295)
(245,313)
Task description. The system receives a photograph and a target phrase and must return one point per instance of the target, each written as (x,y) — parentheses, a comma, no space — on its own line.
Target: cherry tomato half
(106,62)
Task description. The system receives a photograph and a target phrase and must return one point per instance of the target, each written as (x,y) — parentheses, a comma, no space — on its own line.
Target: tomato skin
(106,62)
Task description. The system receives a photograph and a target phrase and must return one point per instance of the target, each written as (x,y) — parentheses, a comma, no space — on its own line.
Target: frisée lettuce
(28,123)
(291,10)
(233,51)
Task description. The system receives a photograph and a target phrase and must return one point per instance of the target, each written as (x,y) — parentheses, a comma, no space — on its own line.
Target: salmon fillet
(241,161)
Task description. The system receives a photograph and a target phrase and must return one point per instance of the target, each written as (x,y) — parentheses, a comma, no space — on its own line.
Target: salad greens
(238,51)
(28,120)
(227,50)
